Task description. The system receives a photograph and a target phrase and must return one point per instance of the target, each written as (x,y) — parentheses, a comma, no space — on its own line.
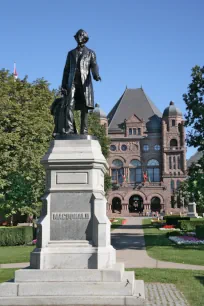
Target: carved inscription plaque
(62,216)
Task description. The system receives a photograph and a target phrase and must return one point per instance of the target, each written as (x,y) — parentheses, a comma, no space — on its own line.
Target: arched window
(117,171)
(135,171)
(153,170)
(173,143)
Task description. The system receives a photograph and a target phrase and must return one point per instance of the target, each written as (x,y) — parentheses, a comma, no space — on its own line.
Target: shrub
(171,216)
(173,220)
(16,235)
(200,231)
(189,226)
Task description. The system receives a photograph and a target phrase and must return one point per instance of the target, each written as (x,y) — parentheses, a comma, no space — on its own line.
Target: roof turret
(99,112)
(172,110)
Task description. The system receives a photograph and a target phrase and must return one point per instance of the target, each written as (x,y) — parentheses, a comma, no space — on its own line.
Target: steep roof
(134,101)
(194,158)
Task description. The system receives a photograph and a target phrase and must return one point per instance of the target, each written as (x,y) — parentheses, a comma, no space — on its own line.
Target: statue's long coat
(88,64)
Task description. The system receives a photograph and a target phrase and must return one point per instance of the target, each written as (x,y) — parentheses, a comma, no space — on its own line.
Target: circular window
(113,148)
(157,147)
(123,147)
(146,148)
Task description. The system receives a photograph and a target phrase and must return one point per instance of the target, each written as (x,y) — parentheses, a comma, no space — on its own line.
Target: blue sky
(152,43)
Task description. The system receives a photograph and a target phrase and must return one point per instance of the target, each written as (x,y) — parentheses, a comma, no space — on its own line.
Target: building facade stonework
(147,155)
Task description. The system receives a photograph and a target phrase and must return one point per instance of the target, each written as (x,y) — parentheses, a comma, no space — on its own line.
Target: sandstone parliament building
(147,155)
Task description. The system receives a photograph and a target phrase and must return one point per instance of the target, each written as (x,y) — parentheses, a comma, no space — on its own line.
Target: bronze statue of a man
(77,84)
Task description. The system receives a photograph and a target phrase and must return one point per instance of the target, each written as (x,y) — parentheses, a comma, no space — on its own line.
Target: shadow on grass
(200,279)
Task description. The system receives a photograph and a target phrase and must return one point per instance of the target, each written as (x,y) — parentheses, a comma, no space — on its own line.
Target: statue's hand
(97,78)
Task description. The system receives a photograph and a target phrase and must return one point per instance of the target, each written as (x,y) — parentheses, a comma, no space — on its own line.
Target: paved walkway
(129,242)
(159,294)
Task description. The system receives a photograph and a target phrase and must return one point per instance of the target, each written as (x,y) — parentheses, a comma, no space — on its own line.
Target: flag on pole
(15,73)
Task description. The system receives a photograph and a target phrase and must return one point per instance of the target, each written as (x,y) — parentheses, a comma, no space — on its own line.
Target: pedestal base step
(113,274)
(112,286)
(137,298)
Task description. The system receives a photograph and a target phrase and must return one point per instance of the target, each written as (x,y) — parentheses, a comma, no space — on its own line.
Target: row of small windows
(145,147)
(134,131)
(174,162)
(135,171)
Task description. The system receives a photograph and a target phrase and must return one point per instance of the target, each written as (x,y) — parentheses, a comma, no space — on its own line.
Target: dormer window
(134,131)
(130,131)
(139,131)
(173,122)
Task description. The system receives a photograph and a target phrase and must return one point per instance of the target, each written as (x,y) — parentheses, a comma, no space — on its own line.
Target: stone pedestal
(73,262)
(192,210)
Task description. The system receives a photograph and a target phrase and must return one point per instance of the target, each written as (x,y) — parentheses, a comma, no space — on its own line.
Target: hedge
(190,226)
(173,220)
(200,231)
(16,235)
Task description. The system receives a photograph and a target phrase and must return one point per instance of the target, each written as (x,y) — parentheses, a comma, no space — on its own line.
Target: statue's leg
(70,125)
(84,120)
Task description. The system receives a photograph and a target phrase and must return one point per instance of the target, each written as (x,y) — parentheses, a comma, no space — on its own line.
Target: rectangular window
(156,175)
(130,131)
(134,131)
(172,185)
(135,175)
(114,175)
(170,164)
(150,174)
(179,162)
(153,174)
(139,131)
(120,175)
(172,202)
(132,175)
(173,122)
(138,175)
(174,162)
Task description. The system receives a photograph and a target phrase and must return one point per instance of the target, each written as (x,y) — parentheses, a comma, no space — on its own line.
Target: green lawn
(158,246)
(6,274)
(190,283)
(13,254)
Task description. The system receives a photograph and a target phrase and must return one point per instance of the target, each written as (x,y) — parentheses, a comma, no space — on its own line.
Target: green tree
(25,132)
(194,99)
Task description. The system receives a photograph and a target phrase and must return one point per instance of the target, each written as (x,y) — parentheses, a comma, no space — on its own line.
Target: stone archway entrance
(155,204)
(116,205)
(136,204)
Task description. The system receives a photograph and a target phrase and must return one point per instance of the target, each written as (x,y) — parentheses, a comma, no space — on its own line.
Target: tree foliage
(194,99)
(26,127)
(25,131)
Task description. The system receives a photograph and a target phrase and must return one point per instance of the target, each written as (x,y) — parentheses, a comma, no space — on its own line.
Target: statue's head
(81,36)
